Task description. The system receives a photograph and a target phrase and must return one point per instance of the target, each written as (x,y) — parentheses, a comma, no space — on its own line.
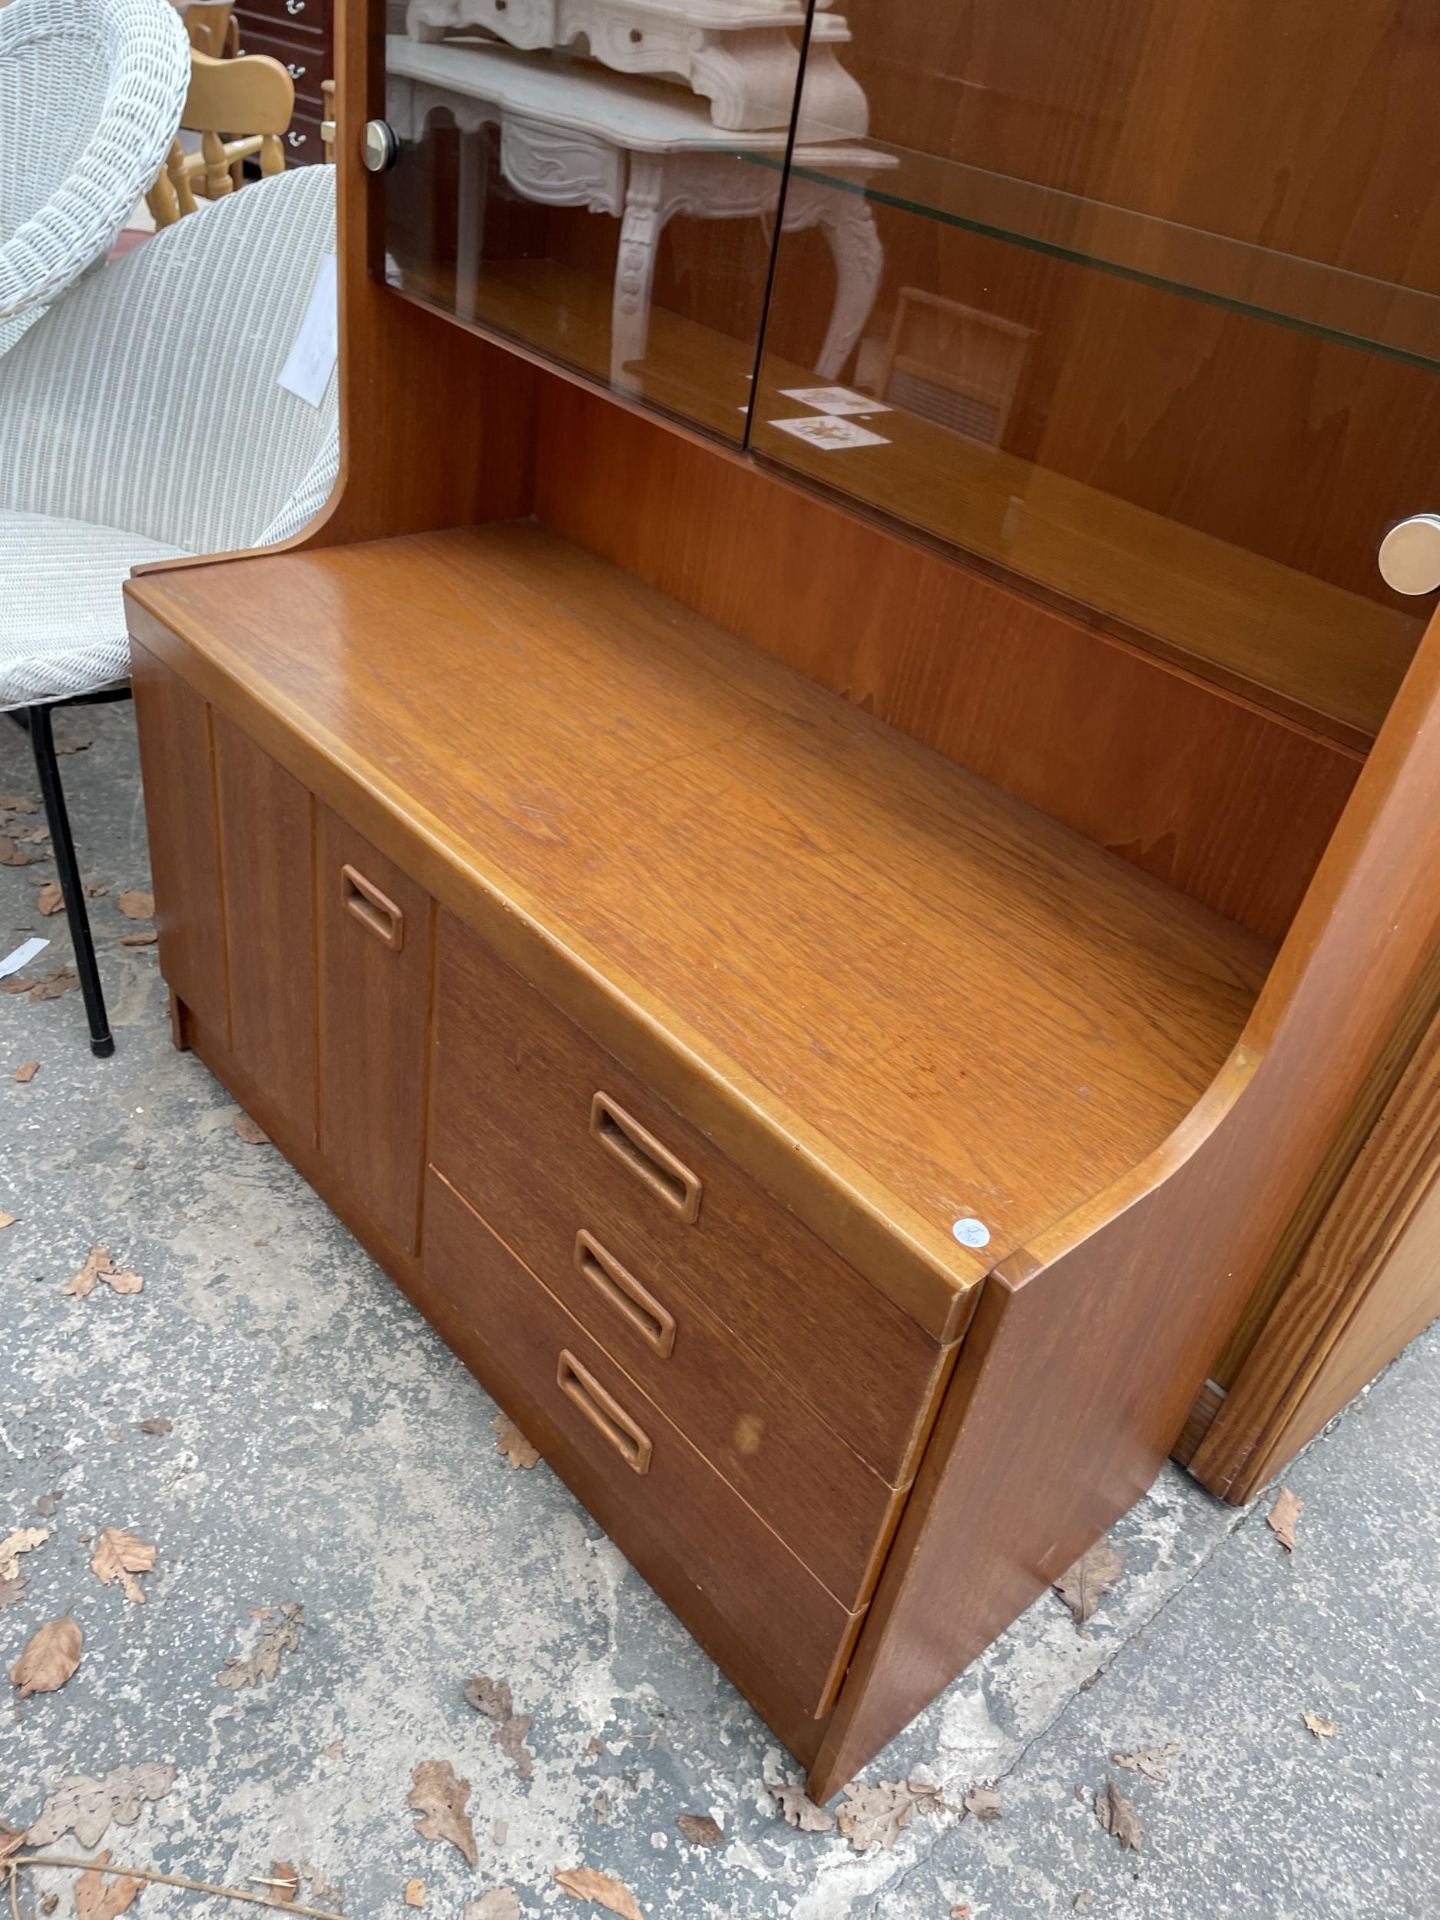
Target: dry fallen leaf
(493,1698)
(99,1266)
(881,1812)
(283,1883)
(800,1810)
(145,939)
(1117,1815)
(50,899)
(283,1636)
(962,1910)
(499,1904)
(1322,1728)
(10,854)
(1284,1517)
(28,1072)
(43,986)
(250,1131)
(120,1556)
(436,1794)
(48,1658)
(136,905)
(94,892)
(1153,1762)
(700,1830)
(18,803)
(512,1443)
(11,1591)
(7,1219)
(87,1808)
(22,1540)
(100,1896)
(584,1883)
(1083,1586)
(982,1803)
(75,743)
(11,1839)
(157,1424)
(414,1893)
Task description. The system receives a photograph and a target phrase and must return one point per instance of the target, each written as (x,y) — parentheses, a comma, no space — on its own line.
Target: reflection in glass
(1155,318)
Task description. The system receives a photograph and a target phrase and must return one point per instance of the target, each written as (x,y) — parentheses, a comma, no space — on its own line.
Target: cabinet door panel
(375,939)
(174,727)
(266,855)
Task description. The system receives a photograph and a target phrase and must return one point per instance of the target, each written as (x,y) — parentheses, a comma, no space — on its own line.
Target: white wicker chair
(141,419)
(90,98)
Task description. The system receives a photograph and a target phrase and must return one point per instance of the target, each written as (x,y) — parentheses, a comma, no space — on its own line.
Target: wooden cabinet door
(374,927)
(268,881)
(174,728)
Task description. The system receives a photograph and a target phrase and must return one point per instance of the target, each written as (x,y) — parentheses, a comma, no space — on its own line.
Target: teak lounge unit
(824,965)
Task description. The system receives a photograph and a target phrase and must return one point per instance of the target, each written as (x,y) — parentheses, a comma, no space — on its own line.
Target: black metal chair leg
(47,768)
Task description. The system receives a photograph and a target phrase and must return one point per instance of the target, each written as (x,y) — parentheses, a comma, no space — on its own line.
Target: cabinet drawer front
(549,1136)
(737,1587)
(285,16)
(375,940)
(304,56)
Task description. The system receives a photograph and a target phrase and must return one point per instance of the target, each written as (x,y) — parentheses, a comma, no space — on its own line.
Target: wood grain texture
(267,868)
(1231,805)
(1368,1280)
(374,1030)
(892,994)
(1106,1326)
(707,1554)
(180,816)
(513,1085)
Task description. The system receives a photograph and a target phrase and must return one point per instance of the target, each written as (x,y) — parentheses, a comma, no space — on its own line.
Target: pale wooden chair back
(240,108)
(211,28)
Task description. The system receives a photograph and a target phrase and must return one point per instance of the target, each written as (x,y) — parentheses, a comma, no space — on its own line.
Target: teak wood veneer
(832,1042)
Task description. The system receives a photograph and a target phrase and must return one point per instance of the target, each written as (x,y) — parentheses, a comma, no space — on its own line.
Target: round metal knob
(381,149)
(1410,555)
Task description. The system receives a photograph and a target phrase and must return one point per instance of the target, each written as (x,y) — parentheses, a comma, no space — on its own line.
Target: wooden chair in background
(252,92)
(212,28)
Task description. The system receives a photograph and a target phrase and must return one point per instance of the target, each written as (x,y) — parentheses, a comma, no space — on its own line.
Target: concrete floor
(328,1450)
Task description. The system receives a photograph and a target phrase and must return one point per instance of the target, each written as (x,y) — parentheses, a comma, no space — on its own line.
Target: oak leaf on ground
(283,1884)
(248,1130)
(118,1557)
(499,1904)
(494,1699)
(982,1803)
(882,1811)
(800,1810)
(48,1658)
(512,1443)
(1084,1585)
(414,1893)
(1152,1762)
(440,1799)
(87,1808)
(101,1896)
(100,1266)
(11,1839)
(1322,1728)
(136,904)
(21,1540)
(1117,1816)
(27,1073)
(6,1219)
(585,1883)
(156,1424)
(50,898)
(700,1830)
(1284,1517)
(281,1636)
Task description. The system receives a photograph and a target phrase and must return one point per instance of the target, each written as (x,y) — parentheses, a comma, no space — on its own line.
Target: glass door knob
(1410,554)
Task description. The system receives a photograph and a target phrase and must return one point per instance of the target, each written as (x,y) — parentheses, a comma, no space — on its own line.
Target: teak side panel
(1368,1280)
(374,1025)
(180,813)
(1104,1336)
(1228,804)
(267,871)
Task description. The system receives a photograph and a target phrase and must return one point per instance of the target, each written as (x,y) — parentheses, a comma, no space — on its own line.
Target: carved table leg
(859,258)
(640,231)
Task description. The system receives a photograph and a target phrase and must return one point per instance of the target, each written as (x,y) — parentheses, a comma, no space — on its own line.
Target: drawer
(748,1600)
(304,57)
(548,1135)
(286,16)
(374,970)
(303,145)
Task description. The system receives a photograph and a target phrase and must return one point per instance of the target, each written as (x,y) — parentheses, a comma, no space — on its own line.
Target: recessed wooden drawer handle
(638,1149)
(374,910)
(604,1413)
(619,1288)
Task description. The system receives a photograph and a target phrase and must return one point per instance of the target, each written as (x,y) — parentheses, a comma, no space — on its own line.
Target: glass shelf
(1349,309)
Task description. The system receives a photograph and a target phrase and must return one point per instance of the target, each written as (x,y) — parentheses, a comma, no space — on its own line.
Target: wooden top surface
(898,996)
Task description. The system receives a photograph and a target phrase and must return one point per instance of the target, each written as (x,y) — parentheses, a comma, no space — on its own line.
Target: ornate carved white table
(572,134)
